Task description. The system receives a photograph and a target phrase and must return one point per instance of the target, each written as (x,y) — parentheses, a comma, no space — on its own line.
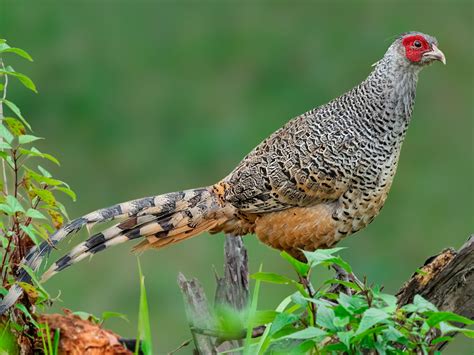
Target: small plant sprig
(29,209)
(346,315)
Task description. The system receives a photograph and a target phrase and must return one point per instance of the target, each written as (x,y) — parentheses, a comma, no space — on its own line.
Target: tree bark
(446,280)
(232,291)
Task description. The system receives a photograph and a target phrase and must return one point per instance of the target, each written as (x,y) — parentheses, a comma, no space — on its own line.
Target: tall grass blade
(144,341)
(253,310)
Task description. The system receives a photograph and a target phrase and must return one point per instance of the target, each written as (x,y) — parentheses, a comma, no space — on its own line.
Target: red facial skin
(412,52)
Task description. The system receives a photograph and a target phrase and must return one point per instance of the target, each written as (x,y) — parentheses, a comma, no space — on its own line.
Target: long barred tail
(160,220)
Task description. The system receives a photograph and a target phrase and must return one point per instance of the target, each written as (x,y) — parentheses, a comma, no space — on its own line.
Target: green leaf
(441,340)
(301,268)
(365,336)
(325,317)
(393,334)
(229,321)
(302,348)
(34,214)
(5,145)
(17,51)
(389,300)
(281,321)
(341,322)
(308,333)
(87,316)
(10,162)
(3,241)
(337,348)
(27,138)
(326,257)
(62,209)
(439,317)
(353,304)
(265,338)
(371,317)
(345,338)
(144,331)
(272,278)
(57,332)
(16,111)
(56,218)
(6,134)
(448,328)
(36,153)
(22,308)
(25,80)
(43,179)
(14,204)
(263,317)
(420,305)
(45,196)
(31,232)
(299,299)
(8,341)
(6,209)
(45,172)
(107,315)
(68,192)
(15,126)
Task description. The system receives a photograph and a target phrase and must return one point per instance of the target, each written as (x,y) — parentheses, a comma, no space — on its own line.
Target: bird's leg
(343,275)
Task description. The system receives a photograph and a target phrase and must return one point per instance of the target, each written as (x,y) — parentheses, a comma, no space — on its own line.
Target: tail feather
(161,220)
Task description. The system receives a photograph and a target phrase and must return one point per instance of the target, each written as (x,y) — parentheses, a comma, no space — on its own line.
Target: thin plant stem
(4,96)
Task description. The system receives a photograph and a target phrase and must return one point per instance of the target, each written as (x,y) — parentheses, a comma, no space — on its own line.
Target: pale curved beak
(435,54)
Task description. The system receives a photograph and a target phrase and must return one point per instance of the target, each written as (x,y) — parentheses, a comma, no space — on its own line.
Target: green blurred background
(139,98)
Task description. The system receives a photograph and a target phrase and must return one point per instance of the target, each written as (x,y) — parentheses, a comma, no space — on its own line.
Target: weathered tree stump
(232,291)
(447,281)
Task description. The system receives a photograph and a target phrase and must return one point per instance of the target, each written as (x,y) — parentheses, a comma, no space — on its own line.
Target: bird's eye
(417,44)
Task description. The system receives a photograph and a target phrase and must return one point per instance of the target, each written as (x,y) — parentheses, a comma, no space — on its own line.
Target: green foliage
(29,208)
(30,212)
(7,340)
(348,316)
(99,320)
(49,347)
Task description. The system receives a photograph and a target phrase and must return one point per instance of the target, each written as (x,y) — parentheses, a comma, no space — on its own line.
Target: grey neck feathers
(395,82)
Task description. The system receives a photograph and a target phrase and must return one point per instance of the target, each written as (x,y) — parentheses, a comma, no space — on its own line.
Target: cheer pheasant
(324,175)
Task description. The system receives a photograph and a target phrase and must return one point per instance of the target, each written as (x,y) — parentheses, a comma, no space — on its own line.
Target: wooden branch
(233,288)
(232,291)
(197,311)
(446,280)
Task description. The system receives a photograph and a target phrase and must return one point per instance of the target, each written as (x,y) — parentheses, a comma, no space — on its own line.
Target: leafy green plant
(100,320)
(30,212)
(349,316)
(29,208)
(49,347)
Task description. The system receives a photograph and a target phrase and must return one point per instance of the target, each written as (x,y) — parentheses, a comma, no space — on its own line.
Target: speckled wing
(298,165)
